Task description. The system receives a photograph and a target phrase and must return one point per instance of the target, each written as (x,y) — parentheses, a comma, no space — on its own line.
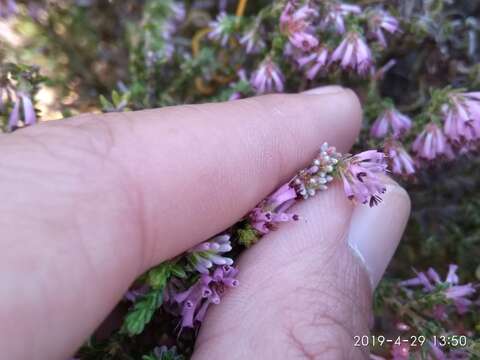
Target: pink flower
(353,53)
(391,120)
(29,115)
(208,253)
(462,117)
(381,21)
(431,143)
(336,14)
(380,73)
(314,62)
(457,293)
(400,352)
(296,25)
(252,41)
(400,160)
(209,289)
(273,210)
(437,353)
(221,28)
(360,175)
(268,78)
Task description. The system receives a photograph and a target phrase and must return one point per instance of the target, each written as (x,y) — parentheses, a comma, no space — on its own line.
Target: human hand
(90,203)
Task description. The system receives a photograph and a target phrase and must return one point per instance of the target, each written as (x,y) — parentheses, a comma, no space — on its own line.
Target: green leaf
(149,357)
(116,97)
(178,271)
(158,276)
(142,313)
(105,103)
(247,236)
(144,309)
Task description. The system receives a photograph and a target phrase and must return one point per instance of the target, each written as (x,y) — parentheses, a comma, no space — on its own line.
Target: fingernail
(324,90)
(375,232)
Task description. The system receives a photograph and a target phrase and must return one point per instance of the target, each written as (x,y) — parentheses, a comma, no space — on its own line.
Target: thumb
(305,292)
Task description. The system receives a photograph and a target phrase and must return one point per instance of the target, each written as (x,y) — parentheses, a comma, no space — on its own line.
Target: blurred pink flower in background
(267,78)
(392,121)
(431,143)
(353,53)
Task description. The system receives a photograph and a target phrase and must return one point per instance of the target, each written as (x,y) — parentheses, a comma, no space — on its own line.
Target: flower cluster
(301,25)
(209,253)
(353,53)
(319,174)
(29,117)
(222,28)
(381,21)
(295,23)
(268,78)
(208,289)
(393,125)
(335,15)
(462,117)
(16,100)
(460,132)
(391,120)
(360,175)
(449,288)
(401,162)
(274,210)
(158,44)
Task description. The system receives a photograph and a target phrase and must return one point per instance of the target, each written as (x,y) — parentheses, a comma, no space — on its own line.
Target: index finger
(200,168)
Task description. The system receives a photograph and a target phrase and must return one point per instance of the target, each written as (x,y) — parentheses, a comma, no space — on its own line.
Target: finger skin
(91,202)
(299,297)
(304,293)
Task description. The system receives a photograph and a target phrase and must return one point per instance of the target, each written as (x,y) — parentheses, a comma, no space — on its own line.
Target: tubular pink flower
(268,78)
(457,293)
(209,289)
(353,53)
(273,210)
(30,117)
(391,120)
(208,253)
(220,29)
(360,172)
(336,13)
(431,143)
(314,62)
(400,352)
(462,117)
(296,25)
(437,353)
(381,21)
(252,41)
(14,117)
(400,160)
